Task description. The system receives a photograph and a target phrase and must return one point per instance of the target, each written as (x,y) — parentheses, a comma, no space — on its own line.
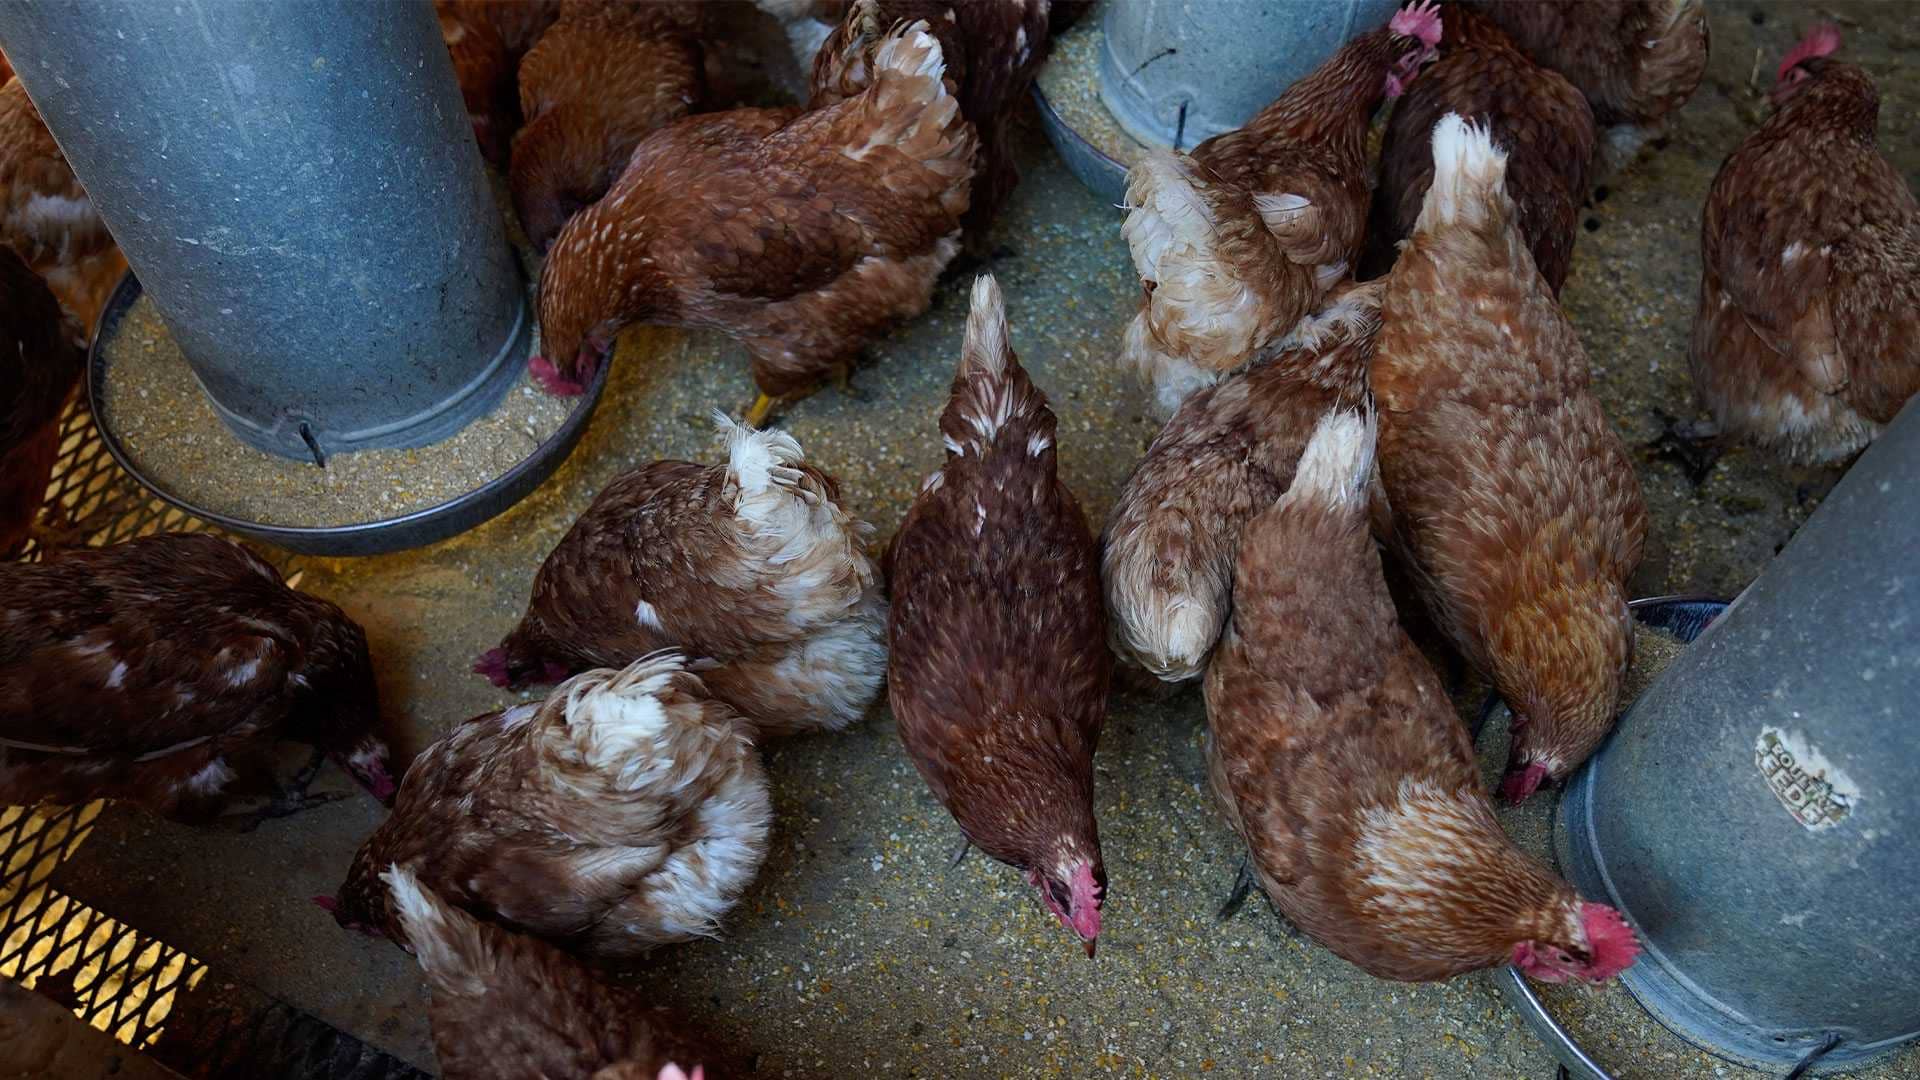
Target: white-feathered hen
(626,810)
(750,568)
(506,1006)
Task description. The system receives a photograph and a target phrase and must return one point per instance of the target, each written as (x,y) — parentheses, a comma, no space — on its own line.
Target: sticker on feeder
(1817,794)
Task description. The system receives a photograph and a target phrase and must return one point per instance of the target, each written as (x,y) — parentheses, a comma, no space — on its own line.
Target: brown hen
(1536,116)
(45,214)
(1226,455)
(803,235)
(40,361)
(751,568)
(998,663)
(484,71)
(506,1006)
(1337,757)
(1637,61)
(1238,241)
(1511,495)
(518,23)
(601,79)
(164,669)
(993,52)
(1807,340)
(626,810)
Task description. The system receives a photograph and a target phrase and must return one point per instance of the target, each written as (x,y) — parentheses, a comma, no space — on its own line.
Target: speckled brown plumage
(506,1006)
(998,663)
(626,810)
(517,23)
(1537,117)
(598,81)
(1807,339)
(751,568)
(994,49)
(1227,454)
(1238,241)
(1509,490)
(45,214)
(1637,61)
(162,670)
(803,235)
(484,71)
(1337,757)
(40,361)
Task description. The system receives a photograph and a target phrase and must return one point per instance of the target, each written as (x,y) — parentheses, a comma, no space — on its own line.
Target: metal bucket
(1174,72)
(297,184)
(1756,814)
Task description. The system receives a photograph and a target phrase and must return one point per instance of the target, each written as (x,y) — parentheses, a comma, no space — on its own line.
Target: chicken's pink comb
(549,378)
(1421,20)
(674,1072)
(1610,941)
(379,783)
(1822,40)
(1521,783)
(493,664)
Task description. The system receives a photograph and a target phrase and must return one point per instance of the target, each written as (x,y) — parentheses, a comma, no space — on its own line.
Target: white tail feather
(1166,215)
(446,940)
(812,550)
(758,460)
(1337,464)
(617,722)
(985,346)
(1468,171)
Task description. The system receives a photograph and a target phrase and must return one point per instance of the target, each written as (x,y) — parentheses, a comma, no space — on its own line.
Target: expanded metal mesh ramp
(145,993)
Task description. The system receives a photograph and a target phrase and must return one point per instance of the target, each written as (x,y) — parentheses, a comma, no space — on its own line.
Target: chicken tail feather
(1469,176)
(1337,465)
(759,461)
(448,942)
(841,64)
(1193,238)
(911,110)
(992,396)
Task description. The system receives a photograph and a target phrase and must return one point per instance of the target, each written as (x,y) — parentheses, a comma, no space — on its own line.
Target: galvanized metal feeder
(1756,814)
(1173,73)
(296,184)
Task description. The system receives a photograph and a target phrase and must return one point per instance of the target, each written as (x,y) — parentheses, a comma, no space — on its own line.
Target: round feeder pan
(412,529)
(1684,617)
(1101,174)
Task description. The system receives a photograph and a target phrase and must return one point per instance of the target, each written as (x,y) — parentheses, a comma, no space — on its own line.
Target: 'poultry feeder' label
(1814,791)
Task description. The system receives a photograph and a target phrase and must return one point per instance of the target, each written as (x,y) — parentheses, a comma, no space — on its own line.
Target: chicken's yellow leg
(757,415)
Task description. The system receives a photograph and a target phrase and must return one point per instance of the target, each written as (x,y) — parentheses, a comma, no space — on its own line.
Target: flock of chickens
(1355,366)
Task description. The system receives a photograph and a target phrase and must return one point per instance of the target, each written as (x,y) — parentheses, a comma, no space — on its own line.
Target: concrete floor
(859,950)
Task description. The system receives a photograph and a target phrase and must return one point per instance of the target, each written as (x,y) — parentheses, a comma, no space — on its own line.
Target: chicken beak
(1088,945)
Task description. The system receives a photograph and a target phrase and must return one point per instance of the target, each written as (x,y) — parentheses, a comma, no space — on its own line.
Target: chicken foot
(1243,886)
(971,263)
(1695,447)
(286,800)
(57,529)
(756,414)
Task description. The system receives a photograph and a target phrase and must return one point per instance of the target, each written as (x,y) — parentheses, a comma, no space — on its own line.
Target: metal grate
(121,980)
(115,978)
(88,487)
